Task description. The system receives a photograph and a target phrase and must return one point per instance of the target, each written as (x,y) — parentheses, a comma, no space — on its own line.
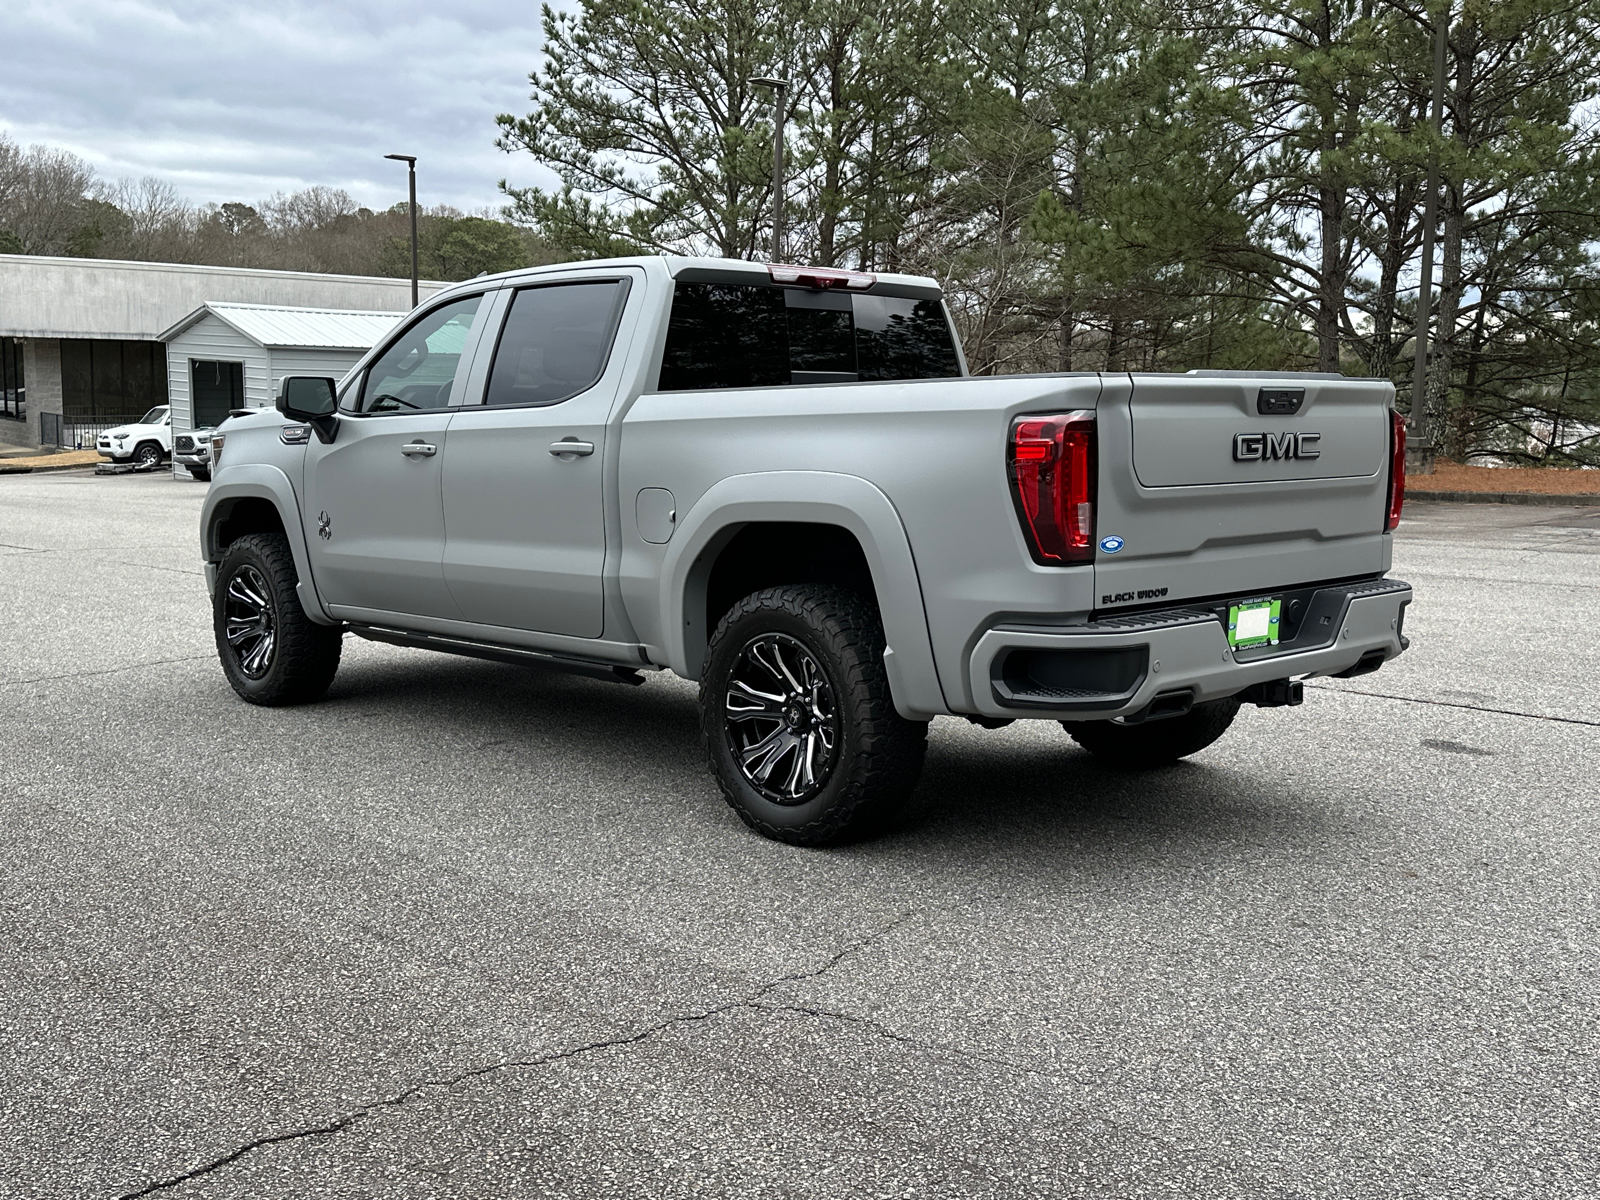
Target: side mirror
(306,397)
(312,399)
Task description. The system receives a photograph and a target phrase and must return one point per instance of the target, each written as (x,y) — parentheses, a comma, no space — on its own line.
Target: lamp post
(780,89)
(411,173)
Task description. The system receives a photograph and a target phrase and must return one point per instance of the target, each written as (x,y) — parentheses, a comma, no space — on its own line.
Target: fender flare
(261,481)
(815,497)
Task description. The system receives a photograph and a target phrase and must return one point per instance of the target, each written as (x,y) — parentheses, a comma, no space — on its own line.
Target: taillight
(1397,469)
(1052,464)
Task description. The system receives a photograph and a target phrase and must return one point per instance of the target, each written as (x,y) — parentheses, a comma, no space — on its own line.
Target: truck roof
(675,265)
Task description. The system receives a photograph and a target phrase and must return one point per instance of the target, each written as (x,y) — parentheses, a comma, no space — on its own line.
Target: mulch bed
(1549,481)
(12,465)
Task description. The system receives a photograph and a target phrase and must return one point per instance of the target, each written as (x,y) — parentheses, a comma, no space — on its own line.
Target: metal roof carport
(109,313)
(266,342)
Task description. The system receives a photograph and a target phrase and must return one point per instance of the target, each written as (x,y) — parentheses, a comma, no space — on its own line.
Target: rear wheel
(801,732)
(1155,743)
(272,653)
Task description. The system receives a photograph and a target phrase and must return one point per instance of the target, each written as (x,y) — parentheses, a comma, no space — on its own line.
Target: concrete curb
(1569,500)
(5,470)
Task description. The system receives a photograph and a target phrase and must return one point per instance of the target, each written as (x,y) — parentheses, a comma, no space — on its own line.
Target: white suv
(192,451)
(145,443)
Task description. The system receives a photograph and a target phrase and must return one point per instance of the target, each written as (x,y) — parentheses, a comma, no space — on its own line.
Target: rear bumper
(1117,666)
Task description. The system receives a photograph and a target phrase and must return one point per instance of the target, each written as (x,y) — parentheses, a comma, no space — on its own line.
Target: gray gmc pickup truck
(783,483)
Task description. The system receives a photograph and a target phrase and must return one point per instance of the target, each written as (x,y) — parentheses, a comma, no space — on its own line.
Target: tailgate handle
(1279,402)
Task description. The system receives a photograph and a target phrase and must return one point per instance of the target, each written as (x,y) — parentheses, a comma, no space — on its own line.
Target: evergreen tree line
(1125,184)
(52,202)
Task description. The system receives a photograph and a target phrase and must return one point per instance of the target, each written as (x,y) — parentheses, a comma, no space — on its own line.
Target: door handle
(422,448)
(571,446)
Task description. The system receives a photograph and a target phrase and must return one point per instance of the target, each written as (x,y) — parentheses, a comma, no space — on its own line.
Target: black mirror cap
(307,397)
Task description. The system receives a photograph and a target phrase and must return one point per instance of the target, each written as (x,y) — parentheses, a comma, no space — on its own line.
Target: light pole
(780,89)
(1418,450)
(411,173)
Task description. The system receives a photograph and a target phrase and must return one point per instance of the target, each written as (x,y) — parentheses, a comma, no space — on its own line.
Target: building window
(13,388)
(216,387)
(103,378)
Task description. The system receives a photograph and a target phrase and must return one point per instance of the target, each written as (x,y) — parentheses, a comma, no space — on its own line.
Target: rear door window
(735,335)
(555,342)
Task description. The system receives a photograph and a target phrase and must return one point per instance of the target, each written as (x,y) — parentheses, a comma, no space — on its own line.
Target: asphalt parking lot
(465,930)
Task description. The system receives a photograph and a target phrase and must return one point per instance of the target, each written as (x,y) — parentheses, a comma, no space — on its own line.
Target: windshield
(154,417)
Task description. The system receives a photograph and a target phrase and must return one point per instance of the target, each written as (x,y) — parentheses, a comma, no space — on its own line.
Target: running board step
(515,655)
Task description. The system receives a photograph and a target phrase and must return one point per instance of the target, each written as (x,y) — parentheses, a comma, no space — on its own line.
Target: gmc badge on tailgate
(1265,447)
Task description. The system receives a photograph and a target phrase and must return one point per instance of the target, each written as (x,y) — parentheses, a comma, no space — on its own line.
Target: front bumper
(1118,666)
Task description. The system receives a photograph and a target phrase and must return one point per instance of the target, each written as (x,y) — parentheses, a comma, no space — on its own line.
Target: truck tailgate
(1225,485)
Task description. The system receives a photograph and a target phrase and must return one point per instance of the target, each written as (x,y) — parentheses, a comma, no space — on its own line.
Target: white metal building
(78,348)
(224,356)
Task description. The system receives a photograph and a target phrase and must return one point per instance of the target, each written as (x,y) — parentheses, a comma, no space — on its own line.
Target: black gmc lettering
(1267,447)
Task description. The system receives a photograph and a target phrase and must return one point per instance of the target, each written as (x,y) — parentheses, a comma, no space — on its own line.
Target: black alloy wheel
(797,719)
(251,624)
(271,652)
(147,456)
(782,722)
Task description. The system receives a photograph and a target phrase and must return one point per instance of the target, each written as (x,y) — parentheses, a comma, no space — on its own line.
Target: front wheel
(1155,743)
(272,653)
(147,456)
(797,719)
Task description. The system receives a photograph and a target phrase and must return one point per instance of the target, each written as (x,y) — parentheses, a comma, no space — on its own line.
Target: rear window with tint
(725,335)
(555,342)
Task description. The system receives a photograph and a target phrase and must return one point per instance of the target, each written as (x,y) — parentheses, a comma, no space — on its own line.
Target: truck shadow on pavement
(1027,785)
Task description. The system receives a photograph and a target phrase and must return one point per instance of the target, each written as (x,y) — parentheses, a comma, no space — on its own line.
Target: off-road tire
(1155,743)
(305,656)
(203,474)
(877,753)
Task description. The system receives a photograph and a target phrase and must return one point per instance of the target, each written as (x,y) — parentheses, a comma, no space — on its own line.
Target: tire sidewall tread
(880,752)
(307,654)
(1156,743)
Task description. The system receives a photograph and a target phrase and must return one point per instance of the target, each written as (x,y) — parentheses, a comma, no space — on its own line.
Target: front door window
(418,372)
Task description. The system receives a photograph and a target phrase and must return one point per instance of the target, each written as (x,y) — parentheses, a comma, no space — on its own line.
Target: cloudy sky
(233,100)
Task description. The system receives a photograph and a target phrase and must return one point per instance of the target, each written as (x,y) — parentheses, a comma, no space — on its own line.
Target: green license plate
(1254,623)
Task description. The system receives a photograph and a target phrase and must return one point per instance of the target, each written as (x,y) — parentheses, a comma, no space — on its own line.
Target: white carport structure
(78,348)
(224,356)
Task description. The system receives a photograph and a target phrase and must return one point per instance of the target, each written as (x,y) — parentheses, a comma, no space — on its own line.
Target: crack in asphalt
(346,1121)
(336,1126)
(145,566)
(1503,712)
(155,662)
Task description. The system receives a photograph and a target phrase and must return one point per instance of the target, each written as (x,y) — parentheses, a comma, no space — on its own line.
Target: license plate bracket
(1255,622)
